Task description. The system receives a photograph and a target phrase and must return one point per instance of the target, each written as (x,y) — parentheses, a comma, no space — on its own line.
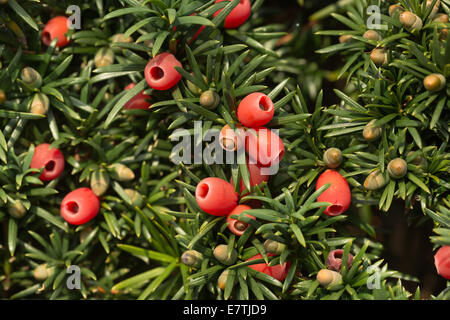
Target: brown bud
(434,82)
(2,96)
(104,57)
(395,9)
(371,132)
(274,247)
(135,197)
(328,278)
(435,8)
(209,99)
(42,272)
(121,172)
(397,168)
(221,254)
(31,77)
(379,57)
(232,140)
(410,21)
(374,180)
(99,182)
(419,161)
(441,17)
(222,281)
(332,157)
(372,35)
(192,258)
(120,37)
(39,104)
(345,38)
(17,209)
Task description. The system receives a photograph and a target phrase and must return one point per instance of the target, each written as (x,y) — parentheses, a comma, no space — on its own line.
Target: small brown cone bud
(410,21)
(345,38)
(441,17)
(99,182)
(221,254)
(274,247)
(120,37)
(434,82)
(397,168)
(192,258)
(378,56)
(17,209)
(395,9)
(42,272)
(122,172)
(135,197)
(371,132)
(419,161)
(39,104)
(222,281)
(328,278)
(2,96)
(209,99)
(31,77)
(104,57)
(435,8)
(372,35)
(332,157)
(374,180)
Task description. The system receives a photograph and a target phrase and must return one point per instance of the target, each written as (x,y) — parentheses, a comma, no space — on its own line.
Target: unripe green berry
(371,132)
(99,182)
(221,254)
(31,77)
(17,209)
(332,157)
(2,96)
(192,258)
(397,168)
(372,35)
(328,278)
(209,99)
(274,247)
(374,180)
(434,82)
(378,56)
(104,57)
(135,197)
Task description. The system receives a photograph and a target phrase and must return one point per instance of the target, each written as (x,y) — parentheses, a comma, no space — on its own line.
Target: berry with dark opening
(238,15)
(334,260)
(338,193)
(51,159)
(238,227)
(255,110)
(232,139)
(216,196)
(56,28)
(80,206)
(160,72)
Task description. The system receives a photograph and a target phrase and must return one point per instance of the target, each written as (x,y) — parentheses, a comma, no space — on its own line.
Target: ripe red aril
(255,110)
(80,206)
(51,159)
(216,196)
(338,193)
(56,28)
(139,101)
(238,15)
(236,226)
(160,72)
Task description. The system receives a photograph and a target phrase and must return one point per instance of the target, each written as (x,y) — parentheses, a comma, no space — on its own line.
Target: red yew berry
(278,271)
(160,72)
(442,262)
(256,177)
(264,146)
(51,159)
(238,15)
(334,260)
(56,28)
(216,196)
(255,110)
(238,227)
(338,193)
(80,206)
(139,101)
(230,139)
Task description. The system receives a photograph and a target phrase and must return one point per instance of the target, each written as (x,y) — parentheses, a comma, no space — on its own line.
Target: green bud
(42,272)
(374,180)
(371,132)
(328,278)
(17,209)
(2,96)
(121,172)
(332,157)
(31,77)
(192,258)
(104,57)
(99,182)
(135,197)
(39,104)
(419,161)
(221,254)
(193,87)
(209,99)
(274,247)
(397,168)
